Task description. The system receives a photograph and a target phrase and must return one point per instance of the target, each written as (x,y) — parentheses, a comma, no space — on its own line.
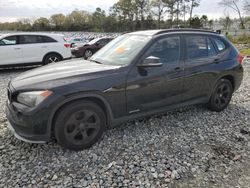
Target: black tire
(79,125)
(51,58)
(87,54)
(221,96)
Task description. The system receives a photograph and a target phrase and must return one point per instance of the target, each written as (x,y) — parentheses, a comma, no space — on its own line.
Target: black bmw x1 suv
(136,74)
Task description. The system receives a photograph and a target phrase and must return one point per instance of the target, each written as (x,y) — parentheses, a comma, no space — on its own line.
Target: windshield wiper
(95,61)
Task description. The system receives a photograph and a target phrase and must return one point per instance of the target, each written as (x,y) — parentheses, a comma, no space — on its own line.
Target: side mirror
(97,43)
(150,61)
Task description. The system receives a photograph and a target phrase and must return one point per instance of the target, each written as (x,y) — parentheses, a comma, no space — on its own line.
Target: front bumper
(29,127)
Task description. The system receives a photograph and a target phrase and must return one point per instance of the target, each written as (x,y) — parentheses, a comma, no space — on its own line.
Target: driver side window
(11,40)
(167,49)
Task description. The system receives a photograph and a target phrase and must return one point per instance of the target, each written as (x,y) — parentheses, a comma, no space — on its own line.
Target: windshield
(122,50)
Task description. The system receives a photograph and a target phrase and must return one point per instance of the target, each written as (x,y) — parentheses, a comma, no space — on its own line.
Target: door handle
(17,48)
(44,46)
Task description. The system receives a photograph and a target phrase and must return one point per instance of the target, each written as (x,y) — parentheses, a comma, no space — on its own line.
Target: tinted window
(28,39)
(211,49)
(167,49)
(103,42)
(199,47)
(220,45)
(45,39)
(11,40)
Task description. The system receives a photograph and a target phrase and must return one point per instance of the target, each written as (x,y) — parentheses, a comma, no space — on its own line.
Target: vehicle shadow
(16,69)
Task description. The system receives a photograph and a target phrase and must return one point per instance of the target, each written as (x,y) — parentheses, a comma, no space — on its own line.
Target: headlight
(33,98)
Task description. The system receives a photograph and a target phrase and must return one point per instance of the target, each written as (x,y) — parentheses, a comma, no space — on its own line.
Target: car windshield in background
(122,50)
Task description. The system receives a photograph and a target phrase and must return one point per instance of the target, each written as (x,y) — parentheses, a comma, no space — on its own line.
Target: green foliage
(244,39)
(245,51)
(124,15)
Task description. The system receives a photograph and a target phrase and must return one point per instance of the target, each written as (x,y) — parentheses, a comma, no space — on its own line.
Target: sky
(12,10)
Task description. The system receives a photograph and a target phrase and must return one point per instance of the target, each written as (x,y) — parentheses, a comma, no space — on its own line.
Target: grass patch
(244,39)
(245,51)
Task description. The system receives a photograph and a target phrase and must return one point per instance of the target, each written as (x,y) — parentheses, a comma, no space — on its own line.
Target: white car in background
(32,48)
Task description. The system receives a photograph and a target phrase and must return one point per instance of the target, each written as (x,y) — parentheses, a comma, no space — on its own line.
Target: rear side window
(167,49)
(220,45)
(199,47)
(28,39)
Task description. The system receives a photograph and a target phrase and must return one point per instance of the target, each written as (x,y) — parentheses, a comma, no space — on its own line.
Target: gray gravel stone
(189,147)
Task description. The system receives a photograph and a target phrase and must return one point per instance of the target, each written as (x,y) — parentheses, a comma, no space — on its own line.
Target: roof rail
(183,30)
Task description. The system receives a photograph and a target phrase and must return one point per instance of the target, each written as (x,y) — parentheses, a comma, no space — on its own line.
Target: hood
(60,72)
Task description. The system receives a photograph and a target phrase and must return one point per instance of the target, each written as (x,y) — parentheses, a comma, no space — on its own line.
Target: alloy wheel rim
(82,127)
(53,59)
(222,96)
(88,54)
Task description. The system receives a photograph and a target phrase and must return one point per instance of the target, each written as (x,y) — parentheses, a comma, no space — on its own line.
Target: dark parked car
(90,48)
(137,74)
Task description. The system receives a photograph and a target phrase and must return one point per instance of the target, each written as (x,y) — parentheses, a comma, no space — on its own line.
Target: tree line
(127,15)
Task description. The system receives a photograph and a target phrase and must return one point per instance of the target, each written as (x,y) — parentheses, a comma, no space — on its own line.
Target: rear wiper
(95,61)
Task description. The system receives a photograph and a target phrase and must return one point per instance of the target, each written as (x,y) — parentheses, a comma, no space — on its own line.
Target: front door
(155,87)
(10,51)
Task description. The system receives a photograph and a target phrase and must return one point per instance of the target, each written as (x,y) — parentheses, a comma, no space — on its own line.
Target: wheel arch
(97,99)
(230,78)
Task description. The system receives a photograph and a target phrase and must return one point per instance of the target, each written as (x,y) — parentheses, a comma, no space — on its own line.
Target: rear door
(155,87)
(10,51)
(200,63)
(34,48)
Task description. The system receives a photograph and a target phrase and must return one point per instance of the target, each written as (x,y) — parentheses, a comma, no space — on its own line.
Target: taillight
(67,45)
(240,58)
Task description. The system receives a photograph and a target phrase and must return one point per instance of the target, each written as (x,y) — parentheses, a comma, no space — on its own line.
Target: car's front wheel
(221,96)
(79,125)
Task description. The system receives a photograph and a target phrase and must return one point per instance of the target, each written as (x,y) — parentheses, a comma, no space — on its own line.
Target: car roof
(31,33)
(162,31)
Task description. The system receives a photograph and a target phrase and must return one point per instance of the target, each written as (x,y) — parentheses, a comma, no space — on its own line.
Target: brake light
(240,58)
(67,45)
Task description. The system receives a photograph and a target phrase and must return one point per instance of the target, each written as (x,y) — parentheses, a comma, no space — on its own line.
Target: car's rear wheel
(52,58)
(221,96)
(87,54)
(79,125)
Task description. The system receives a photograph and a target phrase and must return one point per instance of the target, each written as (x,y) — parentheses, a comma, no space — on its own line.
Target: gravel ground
(191,147)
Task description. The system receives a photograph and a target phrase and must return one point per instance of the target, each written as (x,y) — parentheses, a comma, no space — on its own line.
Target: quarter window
(167,49)
(220,45)
(45,39)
